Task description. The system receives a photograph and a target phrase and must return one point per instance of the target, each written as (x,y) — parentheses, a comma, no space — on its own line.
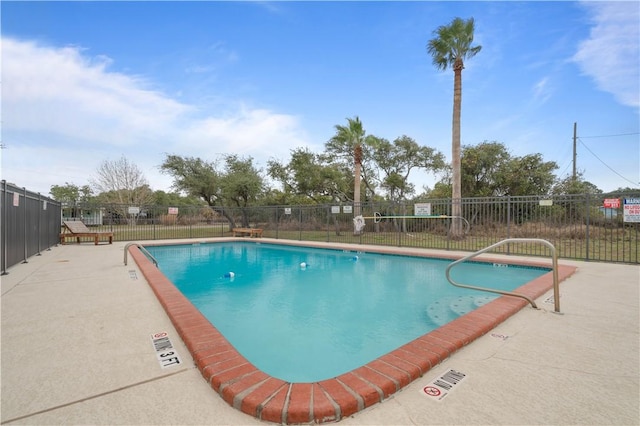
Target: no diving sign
(442,386)
(165,353)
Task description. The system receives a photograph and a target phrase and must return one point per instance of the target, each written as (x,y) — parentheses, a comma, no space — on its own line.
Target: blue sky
(84,82)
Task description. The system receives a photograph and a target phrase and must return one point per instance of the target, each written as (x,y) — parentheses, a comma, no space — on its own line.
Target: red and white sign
(611,203)
(431,391)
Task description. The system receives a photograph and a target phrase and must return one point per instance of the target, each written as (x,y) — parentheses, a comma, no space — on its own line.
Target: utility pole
(575,137)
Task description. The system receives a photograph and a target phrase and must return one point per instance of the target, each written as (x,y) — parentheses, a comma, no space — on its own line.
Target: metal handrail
(142,249)
(554,256)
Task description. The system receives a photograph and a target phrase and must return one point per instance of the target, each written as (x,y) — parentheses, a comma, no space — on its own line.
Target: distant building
(89,216)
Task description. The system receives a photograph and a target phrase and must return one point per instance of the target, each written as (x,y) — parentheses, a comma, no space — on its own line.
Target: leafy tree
(277,197)
(194,176)
(241,184)
(174,199)
(482,168)
(441,189)
(71,195)
(396,161)
(489,170)
(310,175)
(450,48)
(528,175)
(627,189)
(577,185)
(624,192)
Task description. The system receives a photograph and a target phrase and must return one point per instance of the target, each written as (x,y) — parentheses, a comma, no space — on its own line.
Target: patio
(77,349)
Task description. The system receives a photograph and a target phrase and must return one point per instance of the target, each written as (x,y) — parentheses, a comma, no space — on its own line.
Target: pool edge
(255,393)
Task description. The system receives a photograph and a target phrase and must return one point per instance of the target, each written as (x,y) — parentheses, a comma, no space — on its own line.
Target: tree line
(488,169)
(353,168)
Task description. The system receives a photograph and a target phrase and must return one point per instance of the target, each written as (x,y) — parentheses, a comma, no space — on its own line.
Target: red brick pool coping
(257,394)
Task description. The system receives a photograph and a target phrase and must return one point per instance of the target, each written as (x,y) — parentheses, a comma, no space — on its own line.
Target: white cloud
(246,132)
(62,93)
(611,54)
(219,51)
(64,113)
(541,90)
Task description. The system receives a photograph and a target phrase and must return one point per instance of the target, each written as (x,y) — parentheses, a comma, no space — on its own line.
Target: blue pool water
(303,314)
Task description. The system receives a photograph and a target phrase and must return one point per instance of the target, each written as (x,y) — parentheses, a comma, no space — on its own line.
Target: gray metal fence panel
(29,223)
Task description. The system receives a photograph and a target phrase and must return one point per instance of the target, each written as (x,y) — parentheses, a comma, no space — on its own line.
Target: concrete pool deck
(76,349)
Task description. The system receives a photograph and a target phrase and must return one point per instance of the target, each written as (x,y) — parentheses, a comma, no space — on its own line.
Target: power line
(566,160)
(610,136)
(609,167)
(566,168)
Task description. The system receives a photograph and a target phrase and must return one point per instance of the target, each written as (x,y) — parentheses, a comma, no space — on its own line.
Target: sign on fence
(422,209)
(611,203)
(631,210)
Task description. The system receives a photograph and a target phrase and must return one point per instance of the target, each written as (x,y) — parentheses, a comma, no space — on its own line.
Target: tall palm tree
(350,138)
(450,48)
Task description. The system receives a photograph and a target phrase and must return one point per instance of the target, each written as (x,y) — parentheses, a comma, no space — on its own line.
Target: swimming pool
(307,314)
(247,388)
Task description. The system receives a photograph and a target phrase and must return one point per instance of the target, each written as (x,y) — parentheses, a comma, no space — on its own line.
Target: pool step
(449,308)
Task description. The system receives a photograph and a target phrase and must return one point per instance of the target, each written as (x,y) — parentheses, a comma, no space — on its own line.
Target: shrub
(167,219)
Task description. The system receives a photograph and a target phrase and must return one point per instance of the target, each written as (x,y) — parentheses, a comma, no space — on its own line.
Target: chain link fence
(579,226)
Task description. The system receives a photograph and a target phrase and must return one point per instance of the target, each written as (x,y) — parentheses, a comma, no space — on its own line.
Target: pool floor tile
(257,394)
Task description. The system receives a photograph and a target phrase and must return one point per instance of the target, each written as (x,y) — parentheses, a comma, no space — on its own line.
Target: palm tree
(350,138)
(450,48)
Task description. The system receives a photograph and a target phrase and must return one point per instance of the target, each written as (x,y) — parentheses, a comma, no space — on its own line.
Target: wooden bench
(251,232)
(77,230)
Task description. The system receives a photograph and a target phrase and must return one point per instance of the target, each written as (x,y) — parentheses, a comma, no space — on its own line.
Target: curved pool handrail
(556,289)
(142,249)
